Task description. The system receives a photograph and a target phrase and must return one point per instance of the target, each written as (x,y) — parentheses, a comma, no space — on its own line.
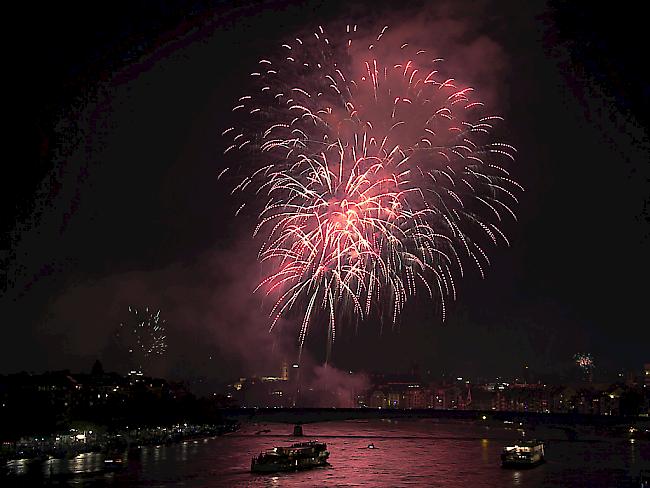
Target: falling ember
(380,177)
(143,335)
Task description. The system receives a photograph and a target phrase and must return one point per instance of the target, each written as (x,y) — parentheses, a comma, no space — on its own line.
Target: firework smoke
(379,177)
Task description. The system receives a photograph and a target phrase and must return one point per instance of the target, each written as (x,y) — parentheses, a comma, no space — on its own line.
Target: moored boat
(523,454)
(301,455)
(114,463)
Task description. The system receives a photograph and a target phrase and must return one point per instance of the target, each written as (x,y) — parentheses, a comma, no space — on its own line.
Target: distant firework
(143,335)
(584,361)
(379,177)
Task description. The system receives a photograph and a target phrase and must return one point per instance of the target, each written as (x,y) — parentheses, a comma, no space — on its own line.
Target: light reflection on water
(408,453)
(485,450)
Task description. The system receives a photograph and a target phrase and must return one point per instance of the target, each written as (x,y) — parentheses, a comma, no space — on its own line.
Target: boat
(114,464)
(301,455)
(523,454)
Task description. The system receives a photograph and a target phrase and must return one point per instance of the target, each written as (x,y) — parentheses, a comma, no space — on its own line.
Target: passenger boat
(523,454)
(302,455)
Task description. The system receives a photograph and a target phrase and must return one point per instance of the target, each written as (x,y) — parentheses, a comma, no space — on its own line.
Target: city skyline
(98,393)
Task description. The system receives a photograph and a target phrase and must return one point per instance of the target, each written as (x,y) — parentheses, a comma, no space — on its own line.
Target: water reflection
(416,453)
(54,466)
(485,454)
(632,459)
(19,466)
(184,451)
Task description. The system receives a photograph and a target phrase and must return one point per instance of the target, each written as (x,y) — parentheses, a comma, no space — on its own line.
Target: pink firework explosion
(379,177)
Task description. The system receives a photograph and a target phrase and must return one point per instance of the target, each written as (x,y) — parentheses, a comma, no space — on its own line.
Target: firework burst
(585,362)
(379,177)
(143,335)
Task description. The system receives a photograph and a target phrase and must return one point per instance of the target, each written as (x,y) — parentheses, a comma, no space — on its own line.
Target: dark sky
(116,200)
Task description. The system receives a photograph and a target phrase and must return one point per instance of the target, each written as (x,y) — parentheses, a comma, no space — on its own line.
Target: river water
(408,453)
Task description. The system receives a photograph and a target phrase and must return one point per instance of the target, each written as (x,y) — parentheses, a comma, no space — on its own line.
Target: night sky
(116,202)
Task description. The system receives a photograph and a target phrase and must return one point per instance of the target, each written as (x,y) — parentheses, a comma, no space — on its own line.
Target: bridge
(310,415)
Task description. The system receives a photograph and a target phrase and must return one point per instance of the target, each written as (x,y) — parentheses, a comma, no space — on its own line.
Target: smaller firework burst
(143,335)
(585,362)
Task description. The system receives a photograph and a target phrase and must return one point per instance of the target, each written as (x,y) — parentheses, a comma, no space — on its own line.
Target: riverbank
(66,445)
